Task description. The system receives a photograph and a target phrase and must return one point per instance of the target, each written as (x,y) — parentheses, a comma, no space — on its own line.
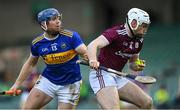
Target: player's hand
(14,90)
(94,64)
(138,65)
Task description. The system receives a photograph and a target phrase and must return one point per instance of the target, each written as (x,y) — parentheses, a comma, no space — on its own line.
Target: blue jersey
(59,56)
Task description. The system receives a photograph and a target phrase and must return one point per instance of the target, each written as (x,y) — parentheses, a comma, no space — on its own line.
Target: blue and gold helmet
(46,14)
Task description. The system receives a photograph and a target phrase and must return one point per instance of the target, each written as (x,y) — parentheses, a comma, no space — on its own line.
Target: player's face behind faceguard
(138,22)
(141,30)
(54,25)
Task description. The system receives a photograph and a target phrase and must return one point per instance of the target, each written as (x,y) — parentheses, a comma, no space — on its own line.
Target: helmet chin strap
(44,26)
(129,27)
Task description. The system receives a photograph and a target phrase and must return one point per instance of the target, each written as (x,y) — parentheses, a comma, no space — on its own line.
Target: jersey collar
(50,38)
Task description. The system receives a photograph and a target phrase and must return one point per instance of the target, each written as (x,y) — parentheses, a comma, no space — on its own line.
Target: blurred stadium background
(89,18)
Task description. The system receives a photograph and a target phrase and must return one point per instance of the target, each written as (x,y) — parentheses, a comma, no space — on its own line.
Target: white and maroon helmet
(139,15)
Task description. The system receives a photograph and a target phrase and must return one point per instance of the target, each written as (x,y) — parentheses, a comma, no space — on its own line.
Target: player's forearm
(26,70)
(24,73)
(92,51)
(82,51)
(98,43)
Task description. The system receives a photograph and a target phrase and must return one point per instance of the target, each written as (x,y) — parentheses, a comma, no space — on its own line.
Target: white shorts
(101,79)
(65,93)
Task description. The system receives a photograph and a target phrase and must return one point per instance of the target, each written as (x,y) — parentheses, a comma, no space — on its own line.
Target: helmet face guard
(139,15)
(47,14)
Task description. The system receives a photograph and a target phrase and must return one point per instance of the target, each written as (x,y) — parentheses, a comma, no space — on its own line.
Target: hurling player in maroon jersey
(119,45)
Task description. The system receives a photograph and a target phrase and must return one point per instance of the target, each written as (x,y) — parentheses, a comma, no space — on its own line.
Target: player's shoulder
(67,33)
(116,30)
(37,39)
(119,30)
(116,27)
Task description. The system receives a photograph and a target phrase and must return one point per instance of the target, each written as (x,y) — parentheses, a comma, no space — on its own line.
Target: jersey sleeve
(76,40)
(34,51)
(110,35)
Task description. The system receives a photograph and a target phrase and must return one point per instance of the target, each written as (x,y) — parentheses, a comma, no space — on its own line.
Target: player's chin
(57,29)
(140,36)
(55,32)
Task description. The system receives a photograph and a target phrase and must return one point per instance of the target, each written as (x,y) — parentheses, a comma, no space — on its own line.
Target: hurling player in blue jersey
(59,48)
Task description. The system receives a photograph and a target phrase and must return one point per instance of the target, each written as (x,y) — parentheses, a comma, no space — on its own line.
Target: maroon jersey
(121,47)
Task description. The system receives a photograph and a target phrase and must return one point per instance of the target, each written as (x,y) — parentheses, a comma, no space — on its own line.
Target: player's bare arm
(25,71)
(82,51)
(99,42)
(136,64)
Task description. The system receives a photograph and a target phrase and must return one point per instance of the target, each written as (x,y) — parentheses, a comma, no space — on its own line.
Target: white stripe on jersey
(122,32)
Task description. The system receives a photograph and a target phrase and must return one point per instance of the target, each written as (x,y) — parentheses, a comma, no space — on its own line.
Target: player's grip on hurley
(11,92)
